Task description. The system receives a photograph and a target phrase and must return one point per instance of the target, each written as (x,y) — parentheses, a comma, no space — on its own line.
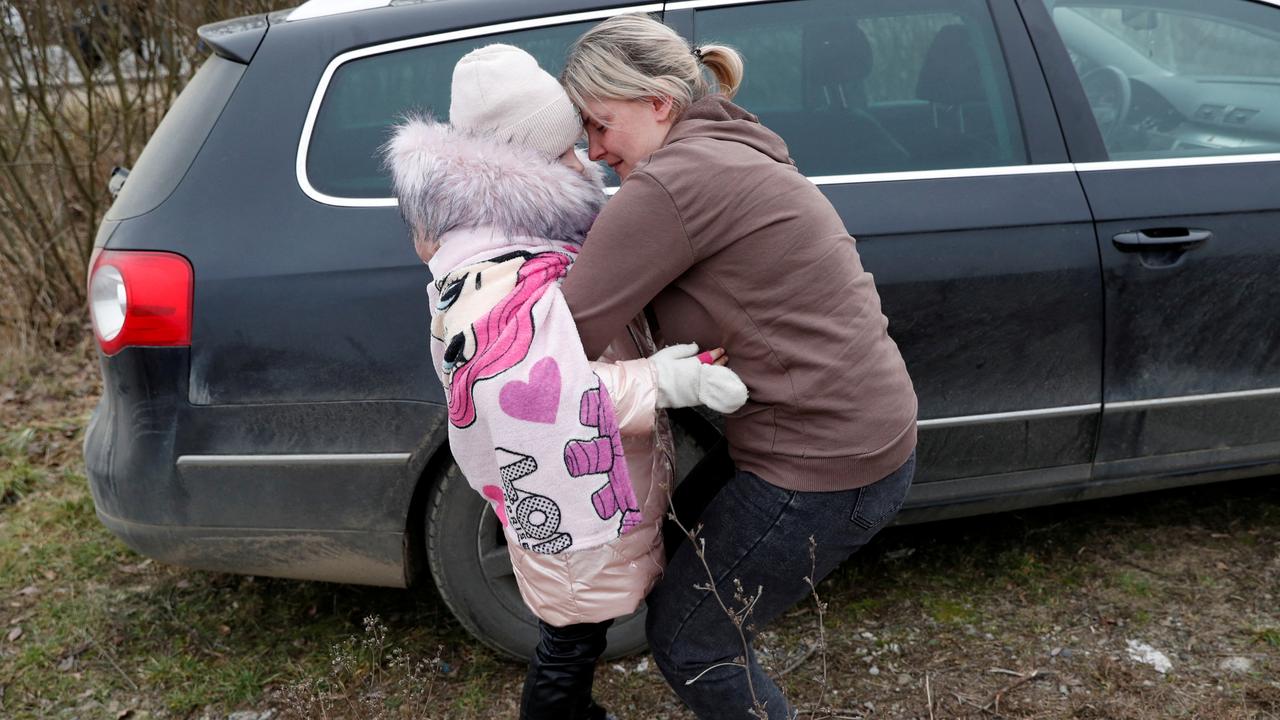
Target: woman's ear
(662,106)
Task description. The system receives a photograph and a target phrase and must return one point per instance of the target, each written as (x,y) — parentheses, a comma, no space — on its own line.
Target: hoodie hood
(714,116)
(446,178)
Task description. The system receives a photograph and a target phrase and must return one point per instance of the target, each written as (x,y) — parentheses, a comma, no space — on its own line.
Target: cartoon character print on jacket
(603,454)
(534,518)
(485,319)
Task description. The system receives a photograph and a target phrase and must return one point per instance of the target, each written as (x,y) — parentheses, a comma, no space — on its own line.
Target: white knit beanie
(500,89)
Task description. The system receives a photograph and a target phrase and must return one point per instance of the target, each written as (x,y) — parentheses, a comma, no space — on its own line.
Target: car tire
(472,571)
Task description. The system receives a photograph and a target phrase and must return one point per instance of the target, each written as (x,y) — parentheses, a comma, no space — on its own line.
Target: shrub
(84,83)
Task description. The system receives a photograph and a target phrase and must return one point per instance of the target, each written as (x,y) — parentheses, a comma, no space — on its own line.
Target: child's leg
(558,686)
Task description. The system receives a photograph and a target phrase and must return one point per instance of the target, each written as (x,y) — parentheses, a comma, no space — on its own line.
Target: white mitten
(685,381)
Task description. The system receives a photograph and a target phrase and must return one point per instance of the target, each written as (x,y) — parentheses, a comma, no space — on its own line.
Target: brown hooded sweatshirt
(735,248)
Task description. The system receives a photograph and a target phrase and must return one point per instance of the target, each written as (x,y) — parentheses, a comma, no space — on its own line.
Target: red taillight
(139,298)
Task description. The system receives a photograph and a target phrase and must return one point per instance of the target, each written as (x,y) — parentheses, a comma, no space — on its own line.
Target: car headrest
(950,73)
(837,59)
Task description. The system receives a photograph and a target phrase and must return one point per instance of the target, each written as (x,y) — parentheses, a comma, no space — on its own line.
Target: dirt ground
(1155,606)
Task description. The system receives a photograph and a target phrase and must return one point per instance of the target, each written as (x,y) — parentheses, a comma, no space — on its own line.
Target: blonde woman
(715,230)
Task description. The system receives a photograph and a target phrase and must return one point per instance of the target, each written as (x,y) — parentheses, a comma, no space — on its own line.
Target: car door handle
(1161,239)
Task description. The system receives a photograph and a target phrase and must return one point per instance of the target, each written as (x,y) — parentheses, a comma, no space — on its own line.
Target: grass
(1270,636)
(171,640)
(1135,584)
(18,476)
(1033,609)
(948,611)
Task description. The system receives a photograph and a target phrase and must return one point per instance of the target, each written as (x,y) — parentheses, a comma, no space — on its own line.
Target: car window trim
(304,143)
(1273,3)
(942,174)
(916,175)
(308,127)
(699,4)
(513,26)
(1238,159)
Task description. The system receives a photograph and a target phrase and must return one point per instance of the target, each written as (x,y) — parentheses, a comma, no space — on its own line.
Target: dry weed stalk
(364,674)
(739,615)
(821,608)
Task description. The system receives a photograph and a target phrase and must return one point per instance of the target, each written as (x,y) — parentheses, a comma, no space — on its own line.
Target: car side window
(875,85)
(1174,78)
(366,96)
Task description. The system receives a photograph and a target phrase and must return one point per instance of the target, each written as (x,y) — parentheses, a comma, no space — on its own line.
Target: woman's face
(624,132)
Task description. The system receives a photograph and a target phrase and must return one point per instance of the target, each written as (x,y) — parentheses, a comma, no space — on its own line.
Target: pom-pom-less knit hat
(501,90)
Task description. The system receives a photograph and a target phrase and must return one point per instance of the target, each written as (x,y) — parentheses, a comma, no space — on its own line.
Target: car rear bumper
(366,558)
(310,491)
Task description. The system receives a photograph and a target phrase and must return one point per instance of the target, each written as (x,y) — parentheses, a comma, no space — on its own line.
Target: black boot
(558,686)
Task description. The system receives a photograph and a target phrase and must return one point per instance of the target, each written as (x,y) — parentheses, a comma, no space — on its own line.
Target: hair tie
(697,53)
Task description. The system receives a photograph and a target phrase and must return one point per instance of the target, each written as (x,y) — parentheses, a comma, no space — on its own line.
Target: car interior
(836,62)
(949,123)
(1147,110)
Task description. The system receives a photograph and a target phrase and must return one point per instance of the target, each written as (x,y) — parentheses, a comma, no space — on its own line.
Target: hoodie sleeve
(636,247)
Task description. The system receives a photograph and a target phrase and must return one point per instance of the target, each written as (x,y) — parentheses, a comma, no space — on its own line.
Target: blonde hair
(629,57)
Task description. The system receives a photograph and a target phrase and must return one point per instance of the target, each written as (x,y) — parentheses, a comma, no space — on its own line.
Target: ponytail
(725,65)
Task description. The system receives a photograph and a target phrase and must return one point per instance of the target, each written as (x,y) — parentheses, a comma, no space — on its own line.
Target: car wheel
(468,556)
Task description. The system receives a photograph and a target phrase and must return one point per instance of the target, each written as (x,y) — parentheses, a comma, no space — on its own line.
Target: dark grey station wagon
(1071,208)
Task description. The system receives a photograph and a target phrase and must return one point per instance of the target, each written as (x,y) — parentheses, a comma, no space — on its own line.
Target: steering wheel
(1110,96)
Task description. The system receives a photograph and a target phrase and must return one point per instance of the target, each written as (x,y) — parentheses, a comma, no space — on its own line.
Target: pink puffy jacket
(464,194)
(611,580)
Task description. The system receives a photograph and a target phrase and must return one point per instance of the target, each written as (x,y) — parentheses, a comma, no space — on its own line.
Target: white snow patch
(1147,655)
(1237,664)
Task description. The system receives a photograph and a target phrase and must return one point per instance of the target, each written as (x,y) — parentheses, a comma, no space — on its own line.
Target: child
(574,456)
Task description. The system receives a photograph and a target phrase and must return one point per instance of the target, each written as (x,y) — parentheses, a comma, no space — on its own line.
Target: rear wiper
(116,181)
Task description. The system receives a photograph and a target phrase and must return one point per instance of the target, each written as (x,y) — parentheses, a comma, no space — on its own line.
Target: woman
(573,456)
(716,230)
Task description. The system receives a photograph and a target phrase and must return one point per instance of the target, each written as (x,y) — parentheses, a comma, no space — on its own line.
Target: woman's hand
(714,357)
(686,378)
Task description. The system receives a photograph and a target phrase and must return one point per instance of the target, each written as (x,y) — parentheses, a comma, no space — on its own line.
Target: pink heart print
(494,494)
(537,400)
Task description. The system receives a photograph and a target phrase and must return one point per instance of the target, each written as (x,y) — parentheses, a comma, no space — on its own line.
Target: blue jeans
(758,534)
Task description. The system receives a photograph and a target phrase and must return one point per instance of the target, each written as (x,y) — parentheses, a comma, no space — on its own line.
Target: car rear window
(178,138)
(366,96)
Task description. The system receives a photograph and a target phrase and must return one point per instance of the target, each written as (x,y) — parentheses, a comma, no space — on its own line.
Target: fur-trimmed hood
(446,178)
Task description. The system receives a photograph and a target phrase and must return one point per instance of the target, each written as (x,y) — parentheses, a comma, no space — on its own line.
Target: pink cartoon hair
(504,334)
